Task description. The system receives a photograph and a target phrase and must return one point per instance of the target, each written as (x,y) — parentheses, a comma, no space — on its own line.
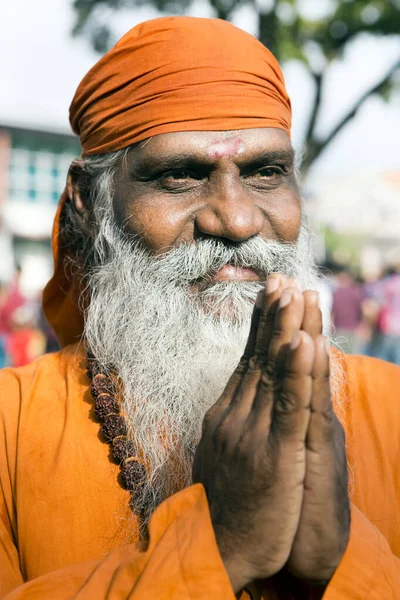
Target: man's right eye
(179,174)
(179,179)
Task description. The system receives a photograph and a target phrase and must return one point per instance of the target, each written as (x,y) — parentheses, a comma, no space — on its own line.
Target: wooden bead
(101,384)
(105,404)
(123,448)
(113,426)
(133,473)
(93,368)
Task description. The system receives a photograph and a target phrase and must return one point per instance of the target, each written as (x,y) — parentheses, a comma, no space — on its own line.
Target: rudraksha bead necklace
(107,409)
(114,428)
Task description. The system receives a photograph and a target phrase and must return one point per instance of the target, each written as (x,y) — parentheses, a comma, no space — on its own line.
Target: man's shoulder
(374,395)
(46,377)
(373,373)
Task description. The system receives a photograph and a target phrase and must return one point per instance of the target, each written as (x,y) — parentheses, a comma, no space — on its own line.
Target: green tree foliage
(290,33)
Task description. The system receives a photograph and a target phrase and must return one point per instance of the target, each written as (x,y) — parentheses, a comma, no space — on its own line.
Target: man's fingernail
(260,299)
(285,299)
(296,284)
(272,284)
(296,339)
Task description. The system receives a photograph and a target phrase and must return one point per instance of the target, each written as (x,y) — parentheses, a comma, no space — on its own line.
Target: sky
(41,66)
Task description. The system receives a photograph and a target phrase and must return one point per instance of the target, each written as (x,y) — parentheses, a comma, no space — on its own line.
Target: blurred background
(341,60)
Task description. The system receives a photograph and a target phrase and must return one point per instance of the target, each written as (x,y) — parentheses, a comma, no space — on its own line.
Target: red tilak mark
(229,147)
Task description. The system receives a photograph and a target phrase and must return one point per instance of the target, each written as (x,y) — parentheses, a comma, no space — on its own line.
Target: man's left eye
(267,172)
(265,177)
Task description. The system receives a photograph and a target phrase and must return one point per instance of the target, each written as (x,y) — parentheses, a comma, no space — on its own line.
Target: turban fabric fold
(170,74)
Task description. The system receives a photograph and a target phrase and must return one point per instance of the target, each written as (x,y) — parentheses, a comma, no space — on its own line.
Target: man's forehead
(215,144)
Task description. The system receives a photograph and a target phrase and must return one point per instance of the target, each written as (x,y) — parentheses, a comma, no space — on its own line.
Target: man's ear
(77,199)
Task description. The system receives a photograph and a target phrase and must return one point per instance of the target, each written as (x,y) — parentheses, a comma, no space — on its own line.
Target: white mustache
(190,262)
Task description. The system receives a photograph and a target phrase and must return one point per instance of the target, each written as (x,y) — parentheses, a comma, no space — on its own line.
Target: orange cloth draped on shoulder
(166,75)
(64,520)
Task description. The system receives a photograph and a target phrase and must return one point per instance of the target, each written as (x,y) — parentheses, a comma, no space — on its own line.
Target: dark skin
(274,425)
(272,455)
(174,189)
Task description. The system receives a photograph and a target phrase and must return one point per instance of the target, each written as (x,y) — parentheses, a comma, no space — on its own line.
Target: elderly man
(188,440)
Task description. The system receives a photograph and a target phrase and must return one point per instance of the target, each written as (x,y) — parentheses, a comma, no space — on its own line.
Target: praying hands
(272,455)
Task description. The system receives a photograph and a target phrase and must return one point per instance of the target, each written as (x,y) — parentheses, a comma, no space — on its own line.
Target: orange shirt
(65,526)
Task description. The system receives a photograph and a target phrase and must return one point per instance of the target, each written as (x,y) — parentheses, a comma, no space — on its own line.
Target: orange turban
(166,75)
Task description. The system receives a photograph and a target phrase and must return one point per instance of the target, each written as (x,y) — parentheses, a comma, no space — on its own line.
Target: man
(387,343)
(184,203)
(347,303)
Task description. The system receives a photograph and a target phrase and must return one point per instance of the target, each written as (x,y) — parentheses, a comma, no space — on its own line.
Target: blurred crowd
(365,314)
(24,333)
(364,317)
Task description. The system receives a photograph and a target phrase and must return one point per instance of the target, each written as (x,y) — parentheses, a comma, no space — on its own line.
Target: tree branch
(268,33)
(318,146)
(318,79)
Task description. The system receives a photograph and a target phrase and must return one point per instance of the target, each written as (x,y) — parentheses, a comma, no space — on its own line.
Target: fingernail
(296,284)
(296,339)
(260,299)
(327,345)
(285,299)
(272,284)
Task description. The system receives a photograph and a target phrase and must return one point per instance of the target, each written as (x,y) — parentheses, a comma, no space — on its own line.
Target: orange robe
(64,522)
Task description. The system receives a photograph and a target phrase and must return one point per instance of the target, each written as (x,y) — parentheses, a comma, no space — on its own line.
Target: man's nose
(230,213)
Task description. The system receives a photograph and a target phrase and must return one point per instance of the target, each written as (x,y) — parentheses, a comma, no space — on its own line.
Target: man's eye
(267,172)
(265,177)
(178,175)
(179,180)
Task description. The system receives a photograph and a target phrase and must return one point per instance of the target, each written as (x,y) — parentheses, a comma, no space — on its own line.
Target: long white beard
(174,348)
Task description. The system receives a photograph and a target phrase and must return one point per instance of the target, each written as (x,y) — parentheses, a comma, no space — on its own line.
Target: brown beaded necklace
(113,425)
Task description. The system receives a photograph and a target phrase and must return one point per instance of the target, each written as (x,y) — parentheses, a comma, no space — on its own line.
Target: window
(37,176)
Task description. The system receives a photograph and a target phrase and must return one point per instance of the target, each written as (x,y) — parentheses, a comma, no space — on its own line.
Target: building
(363,209)
(33,170)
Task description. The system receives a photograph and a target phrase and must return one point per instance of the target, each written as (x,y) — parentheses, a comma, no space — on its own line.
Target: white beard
(173,349)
